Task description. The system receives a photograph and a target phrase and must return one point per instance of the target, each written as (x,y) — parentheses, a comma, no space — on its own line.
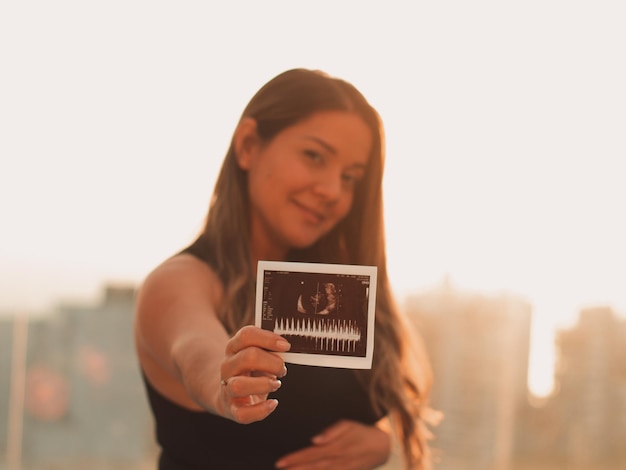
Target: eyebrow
(322,142)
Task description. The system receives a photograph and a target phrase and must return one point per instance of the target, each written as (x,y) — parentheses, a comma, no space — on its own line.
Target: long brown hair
(399,381)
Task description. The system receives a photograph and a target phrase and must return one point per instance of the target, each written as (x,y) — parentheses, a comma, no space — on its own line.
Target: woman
(301,181)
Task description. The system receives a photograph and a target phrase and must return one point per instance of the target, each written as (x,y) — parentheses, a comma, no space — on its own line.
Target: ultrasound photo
(325,311)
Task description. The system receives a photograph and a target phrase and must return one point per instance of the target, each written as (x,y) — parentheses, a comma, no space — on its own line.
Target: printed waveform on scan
(329,335)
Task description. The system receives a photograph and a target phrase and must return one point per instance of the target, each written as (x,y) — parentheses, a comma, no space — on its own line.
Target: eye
(313,155)
(352,178)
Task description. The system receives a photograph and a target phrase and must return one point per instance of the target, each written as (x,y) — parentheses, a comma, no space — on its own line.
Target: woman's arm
(185,352)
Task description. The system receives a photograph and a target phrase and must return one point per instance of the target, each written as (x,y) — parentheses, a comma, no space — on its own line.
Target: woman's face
(301,183)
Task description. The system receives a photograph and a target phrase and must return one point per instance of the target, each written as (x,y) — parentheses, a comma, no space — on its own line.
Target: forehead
(341,132)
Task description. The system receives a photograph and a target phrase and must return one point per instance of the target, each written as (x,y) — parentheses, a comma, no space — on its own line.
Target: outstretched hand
(347,445)
(249,373)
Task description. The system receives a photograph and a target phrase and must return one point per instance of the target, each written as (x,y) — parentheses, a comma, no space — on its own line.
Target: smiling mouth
(310,214)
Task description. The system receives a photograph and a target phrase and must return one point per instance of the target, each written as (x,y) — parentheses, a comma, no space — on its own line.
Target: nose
(329,185)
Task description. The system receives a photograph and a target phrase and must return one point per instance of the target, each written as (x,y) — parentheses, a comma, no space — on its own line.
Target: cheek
(261,179)
(344,206)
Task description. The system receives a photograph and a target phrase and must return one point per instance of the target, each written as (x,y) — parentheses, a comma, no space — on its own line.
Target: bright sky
(506,133)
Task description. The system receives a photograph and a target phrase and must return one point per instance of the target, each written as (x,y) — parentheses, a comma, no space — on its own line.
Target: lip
(311,215)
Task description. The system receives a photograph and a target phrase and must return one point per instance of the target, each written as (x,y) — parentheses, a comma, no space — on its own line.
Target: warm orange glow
(504,130)
(47,394)
(95,366)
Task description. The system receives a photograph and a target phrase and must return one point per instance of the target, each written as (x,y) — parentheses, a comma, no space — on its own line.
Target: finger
(258,373)
(252,336)
(243,386)
(251,413)
(308,457)
(333,432)
(253,360)
(324,464)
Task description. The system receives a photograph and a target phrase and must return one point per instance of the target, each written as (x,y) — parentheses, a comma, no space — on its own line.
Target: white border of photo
(324,360)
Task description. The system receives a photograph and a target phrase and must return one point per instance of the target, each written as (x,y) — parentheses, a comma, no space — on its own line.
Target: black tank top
(310,399)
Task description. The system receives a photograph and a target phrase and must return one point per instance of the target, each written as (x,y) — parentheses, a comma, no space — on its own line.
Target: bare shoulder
(182,273)
(180,291)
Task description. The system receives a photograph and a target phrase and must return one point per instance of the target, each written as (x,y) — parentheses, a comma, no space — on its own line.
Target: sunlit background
(505,126)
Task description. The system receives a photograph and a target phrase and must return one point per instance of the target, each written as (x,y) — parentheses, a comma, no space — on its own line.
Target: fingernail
(283,344)
(276,384)
(284,370)
(272,404)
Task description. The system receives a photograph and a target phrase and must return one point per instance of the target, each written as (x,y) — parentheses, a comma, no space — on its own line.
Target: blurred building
(6,344)
(590,402)
(479,349)
(84,403)
(582,424)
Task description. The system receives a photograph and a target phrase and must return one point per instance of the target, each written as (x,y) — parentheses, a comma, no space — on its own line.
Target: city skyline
(504,148)
(541,373)
(84,403)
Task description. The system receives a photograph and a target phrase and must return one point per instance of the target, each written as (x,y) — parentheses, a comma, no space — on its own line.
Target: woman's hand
(249,372)
(347,445)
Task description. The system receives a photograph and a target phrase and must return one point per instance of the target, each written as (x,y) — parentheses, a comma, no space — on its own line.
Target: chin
(302,242)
